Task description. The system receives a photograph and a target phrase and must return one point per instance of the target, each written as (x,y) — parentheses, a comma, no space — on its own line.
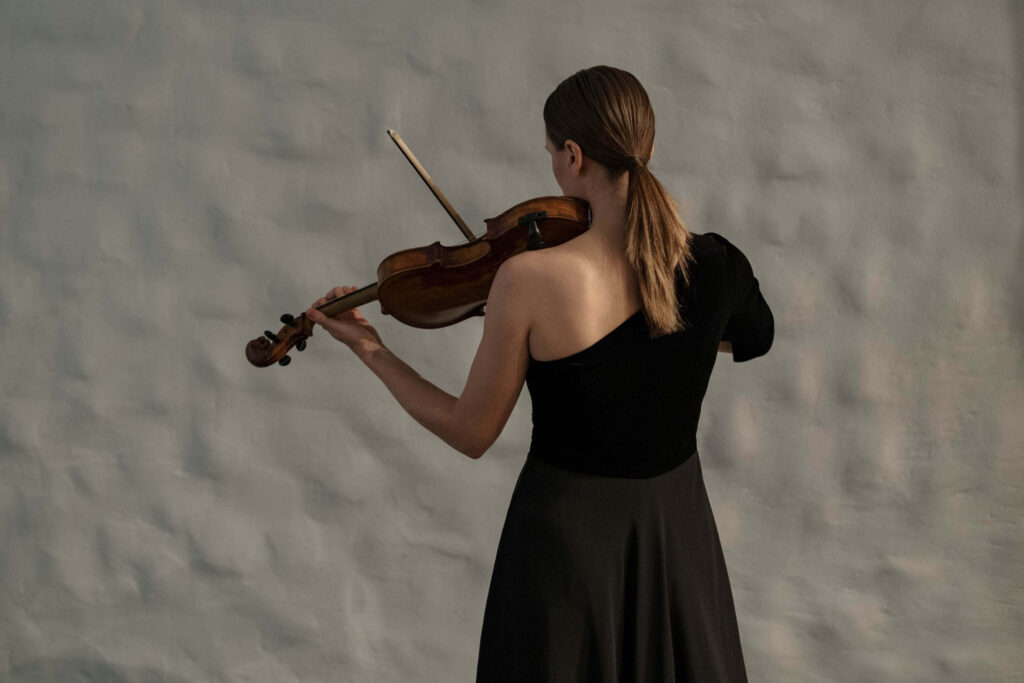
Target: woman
(609,566)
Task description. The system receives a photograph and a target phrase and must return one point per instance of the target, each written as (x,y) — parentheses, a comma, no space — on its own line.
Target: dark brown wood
(436,286)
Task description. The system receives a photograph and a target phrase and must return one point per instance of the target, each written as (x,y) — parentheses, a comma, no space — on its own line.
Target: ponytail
(657,245)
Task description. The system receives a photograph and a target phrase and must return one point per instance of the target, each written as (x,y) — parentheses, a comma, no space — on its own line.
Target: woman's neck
(608,214)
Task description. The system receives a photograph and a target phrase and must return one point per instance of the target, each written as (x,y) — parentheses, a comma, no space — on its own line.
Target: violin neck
(363,295)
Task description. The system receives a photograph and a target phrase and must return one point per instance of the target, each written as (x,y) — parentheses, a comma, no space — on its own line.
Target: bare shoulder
(516,279)
(532,273)
(527,263)
(525,281)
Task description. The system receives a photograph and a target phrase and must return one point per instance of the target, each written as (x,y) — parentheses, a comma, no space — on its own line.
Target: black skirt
(609,579)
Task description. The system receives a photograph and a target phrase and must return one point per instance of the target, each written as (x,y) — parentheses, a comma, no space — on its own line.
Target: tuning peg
(270,335)
(287,318)
(301,346)
(284,361)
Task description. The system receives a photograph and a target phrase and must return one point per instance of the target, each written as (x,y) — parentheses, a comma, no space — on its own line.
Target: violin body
(436,286)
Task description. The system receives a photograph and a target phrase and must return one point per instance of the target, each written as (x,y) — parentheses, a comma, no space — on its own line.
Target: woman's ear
(575,155)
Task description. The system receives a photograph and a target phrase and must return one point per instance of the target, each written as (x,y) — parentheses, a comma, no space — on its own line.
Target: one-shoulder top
(628,405)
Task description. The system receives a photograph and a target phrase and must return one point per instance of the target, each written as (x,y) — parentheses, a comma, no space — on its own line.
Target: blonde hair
(608,114)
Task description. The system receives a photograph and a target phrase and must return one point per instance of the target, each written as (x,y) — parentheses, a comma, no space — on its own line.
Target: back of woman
(609,567)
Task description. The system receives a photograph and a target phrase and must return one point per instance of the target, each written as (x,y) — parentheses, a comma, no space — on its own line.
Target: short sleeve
(751,325)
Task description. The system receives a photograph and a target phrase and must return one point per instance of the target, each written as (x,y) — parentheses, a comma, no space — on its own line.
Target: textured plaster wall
(174,175)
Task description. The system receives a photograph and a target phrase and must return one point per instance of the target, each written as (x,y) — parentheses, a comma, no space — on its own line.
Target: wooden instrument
(436,286)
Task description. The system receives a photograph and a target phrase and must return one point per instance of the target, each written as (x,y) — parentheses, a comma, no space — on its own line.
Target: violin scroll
(272,348)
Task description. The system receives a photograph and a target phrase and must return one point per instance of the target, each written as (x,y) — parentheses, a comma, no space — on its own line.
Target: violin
(436,286)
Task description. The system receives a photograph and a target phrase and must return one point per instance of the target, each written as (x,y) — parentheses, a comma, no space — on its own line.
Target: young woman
(609,566)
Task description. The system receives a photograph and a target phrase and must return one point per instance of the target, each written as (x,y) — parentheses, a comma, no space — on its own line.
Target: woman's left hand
(349,327)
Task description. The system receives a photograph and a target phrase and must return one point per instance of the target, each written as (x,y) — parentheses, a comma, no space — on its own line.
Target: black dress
(609,567)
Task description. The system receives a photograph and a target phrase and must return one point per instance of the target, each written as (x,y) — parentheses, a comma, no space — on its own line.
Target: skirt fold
(609,580)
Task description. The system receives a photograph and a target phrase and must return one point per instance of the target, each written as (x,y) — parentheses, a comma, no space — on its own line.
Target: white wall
(174,175)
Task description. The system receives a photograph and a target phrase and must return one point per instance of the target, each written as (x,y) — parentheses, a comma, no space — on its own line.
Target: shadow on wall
(84,671)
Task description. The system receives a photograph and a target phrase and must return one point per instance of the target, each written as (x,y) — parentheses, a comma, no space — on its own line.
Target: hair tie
(634,162)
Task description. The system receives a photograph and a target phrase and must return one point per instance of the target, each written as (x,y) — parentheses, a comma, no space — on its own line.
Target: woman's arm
(751,325)
(471,422)
(725,347)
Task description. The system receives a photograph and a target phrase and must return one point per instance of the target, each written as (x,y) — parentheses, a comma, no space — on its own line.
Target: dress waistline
(640,466)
